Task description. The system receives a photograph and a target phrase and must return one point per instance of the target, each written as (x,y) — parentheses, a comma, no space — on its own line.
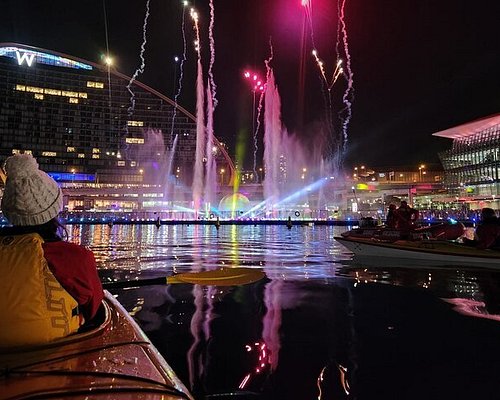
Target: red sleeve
(75,268)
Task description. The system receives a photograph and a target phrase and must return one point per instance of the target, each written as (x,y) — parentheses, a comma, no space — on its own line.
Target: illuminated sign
(28,57)
(66,176)
(22,57)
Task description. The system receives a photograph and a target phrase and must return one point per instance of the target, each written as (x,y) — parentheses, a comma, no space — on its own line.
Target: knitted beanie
(30,197)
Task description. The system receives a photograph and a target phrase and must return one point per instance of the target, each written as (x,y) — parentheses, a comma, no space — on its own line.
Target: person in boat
(50,287)
(487,234)
(390,220)
(406,217)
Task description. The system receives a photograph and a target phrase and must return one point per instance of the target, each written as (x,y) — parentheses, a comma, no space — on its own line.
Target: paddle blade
(219,277)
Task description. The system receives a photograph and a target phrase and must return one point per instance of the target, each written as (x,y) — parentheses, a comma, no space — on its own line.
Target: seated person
(49,287)
(487,234)
(390,220)
(406,217)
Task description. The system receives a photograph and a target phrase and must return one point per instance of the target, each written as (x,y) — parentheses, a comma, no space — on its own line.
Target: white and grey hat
(30,197)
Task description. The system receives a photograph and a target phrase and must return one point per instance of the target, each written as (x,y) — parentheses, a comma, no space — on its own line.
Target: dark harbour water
(319,326)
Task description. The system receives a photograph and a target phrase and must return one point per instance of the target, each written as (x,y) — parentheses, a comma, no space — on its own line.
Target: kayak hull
(115,360)
(429,251)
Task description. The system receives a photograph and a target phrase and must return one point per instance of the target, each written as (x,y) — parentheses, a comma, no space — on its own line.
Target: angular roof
(470,128)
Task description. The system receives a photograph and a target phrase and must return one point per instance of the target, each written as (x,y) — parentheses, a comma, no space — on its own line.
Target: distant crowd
(459,215)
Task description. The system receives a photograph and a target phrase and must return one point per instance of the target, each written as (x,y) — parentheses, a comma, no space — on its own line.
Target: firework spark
(139,70)
(181,68)
(212,53)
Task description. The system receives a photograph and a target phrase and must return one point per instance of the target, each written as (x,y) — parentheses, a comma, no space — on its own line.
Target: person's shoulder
(69,247)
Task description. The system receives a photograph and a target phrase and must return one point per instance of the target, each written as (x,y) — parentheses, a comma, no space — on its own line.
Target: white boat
(427,251)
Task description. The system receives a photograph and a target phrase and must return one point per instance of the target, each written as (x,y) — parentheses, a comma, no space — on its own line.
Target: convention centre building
(472,164)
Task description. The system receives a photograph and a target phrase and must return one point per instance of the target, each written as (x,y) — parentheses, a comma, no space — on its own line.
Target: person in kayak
(390,220)
(50,287)
(487,234)
(406,217)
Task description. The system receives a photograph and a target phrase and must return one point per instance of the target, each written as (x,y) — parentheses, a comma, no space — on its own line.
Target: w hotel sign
(24,57)
(28,57)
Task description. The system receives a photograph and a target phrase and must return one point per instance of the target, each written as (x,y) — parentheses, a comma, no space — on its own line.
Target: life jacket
(34,307)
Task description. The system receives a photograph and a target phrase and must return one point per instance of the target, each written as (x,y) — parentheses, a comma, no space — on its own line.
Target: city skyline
(417,69)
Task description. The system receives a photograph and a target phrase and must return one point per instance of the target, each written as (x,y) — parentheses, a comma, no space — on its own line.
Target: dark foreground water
(319,326)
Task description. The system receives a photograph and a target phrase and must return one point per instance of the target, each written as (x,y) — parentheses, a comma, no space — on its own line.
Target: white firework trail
(255,134)
(194,15)
(139,70)
(181,70)
(349,92)
(212,54)
(308,8)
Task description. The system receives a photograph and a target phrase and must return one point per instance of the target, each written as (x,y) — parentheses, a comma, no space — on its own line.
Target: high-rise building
(86,122)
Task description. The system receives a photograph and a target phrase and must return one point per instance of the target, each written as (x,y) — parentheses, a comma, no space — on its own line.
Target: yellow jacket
(34,307)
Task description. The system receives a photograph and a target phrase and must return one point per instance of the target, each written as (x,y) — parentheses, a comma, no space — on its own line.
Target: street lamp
(176,60)
(421,171)
(257,85)
(222,170)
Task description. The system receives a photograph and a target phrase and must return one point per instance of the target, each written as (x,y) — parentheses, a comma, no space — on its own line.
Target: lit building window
(133,163)
(135,123)
(28,152)
(72,100)
(134,140)
(49,153)
(34,89)
(69,94)
(97,85)
(16,151)
(38,96)
(95,150)
(81,155)
(95,156)
(70,149)
(121,163)
(53,92)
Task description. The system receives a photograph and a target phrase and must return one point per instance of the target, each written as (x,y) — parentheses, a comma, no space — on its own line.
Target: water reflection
(319,327)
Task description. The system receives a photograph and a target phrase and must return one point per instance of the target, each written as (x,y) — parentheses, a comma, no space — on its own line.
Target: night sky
(419,66)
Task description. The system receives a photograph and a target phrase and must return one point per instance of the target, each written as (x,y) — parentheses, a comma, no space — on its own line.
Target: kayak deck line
(114,357)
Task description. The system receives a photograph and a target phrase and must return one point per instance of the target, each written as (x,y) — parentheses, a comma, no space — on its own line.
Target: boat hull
(429,251)
(114,361)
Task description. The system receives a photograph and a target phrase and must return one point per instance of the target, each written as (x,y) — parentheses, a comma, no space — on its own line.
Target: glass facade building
(86,122)
(472,165)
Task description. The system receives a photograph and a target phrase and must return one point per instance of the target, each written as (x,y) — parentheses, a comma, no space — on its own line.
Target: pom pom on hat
(31,197)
